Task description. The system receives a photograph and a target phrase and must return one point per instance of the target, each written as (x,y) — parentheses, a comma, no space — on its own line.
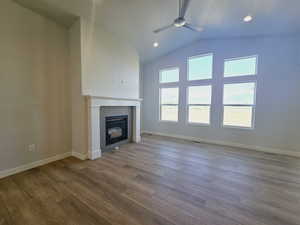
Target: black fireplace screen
(116,129)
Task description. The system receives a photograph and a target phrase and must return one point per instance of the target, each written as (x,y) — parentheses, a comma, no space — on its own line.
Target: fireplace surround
(94,104)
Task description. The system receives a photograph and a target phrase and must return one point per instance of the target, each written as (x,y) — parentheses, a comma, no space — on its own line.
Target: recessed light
(248,18)
(155,44)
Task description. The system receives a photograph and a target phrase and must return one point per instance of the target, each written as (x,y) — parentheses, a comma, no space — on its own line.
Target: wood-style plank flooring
(161,181)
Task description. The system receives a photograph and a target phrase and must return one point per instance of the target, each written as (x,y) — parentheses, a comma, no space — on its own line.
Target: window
(199,101)
(168,94)
(200,70)
(169,75)
(239,92)
(200,67)
(239,104)
(239,83)
(240,66)
(169,98)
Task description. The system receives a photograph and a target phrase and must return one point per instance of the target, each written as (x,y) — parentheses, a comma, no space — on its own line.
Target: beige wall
(34,105)
(45,70)
(79,116)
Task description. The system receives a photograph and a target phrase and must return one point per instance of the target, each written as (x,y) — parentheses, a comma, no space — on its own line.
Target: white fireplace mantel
(94,105)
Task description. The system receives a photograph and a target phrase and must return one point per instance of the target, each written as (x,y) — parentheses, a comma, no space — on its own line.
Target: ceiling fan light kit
(179,22)
(155,44)
(248,18)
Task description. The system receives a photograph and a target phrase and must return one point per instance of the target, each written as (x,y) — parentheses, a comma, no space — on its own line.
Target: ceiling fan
(180,21)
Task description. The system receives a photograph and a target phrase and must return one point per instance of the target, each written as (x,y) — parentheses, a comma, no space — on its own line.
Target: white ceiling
(134,20)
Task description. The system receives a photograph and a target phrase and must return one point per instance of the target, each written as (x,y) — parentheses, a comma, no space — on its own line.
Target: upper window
(240,66)
(200,67)
(199,101)
(169,75)
(169,99)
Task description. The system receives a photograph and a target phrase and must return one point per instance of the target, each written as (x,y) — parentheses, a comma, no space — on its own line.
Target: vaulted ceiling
(134,20)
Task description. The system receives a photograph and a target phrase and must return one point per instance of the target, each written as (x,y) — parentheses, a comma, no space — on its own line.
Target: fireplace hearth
(116,129)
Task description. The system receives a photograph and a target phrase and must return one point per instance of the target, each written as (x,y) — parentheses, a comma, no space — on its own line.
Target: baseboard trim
(19,169)
(95,154)
(79,155)
(230,144)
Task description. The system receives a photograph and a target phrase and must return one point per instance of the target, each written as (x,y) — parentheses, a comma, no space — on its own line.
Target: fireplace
(97,120)
(116,129)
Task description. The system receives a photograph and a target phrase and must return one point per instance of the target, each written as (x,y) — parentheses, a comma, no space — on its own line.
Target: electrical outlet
(32,148)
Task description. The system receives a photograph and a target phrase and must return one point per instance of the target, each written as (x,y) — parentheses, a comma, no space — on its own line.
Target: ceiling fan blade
(163,28)
(193,28)
(184,7)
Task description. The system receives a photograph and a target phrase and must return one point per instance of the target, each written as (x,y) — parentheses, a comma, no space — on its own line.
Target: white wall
(100,65)
(277,121)
(34,103)
(110,65)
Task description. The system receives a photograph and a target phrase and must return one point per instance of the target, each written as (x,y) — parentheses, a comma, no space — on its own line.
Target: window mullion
(239,105)
(199,104)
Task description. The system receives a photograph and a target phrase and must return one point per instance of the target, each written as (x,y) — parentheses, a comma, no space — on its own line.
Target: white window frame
(199,56)
(244,78)
(188,105)
(200,82)
(162,85)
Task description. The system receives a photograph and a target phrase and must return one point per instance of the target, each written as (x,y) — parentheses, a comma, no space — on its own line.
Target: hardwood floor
(161,181)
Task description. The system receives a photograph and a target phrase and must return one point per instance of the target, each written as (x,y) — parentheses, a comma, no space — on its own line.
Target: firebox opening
(116,129)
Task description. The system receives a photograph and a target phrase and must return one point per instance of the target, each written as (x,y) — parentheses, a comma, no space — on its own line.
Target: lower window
(238,116)
(199,114)
(169,113)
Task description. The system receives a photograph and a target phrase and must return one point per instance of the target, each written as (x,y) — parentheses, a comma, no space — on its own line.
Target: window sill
(238,128)
(198,124)
(168,121)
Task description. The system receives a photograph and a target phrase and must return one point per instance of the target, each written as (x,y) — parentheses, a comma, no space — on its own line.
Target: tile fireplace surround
(94,105)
